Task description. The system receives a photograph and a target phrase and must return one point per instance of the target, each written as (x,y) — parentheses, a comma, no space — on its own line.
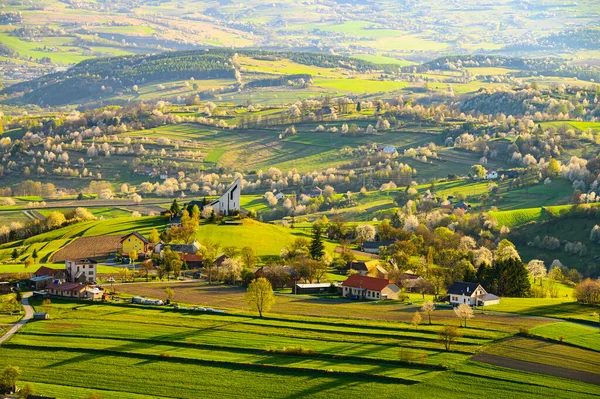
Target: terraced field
(238,354)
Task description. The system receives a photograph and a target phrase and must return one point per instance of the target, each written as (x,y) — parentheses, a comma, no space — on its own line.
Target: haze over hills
(324,198)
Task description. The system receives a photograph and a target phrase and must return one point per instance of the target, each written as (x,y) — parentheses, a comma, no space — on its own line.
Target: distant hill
(106,76)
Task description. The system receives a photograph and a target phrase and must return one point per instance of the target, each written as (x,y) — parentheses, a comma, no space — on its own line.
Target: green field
(239,354)
(267,240)
(571,333)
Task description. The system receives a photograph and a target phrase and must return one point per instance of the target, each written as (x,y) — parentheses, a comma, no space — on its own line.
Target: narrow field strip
(501,361)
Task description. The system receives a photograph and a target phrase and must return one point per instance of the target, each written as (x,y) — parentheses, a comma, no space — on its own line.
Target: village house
(134,241)
(190,248)
(411,282)
(389,149)
(279,195)
(363,267)
(74,290)
(371,288)
(471,293)
(279,276)
(372,247)
(192,261)
(315,192)
(492,174)
(56,274)
(81,270)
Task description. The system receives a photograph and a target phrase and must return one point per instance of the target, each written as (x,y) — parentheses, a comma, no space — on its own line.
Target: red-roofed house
(69,290)
(365,287)
(74,290)
(59,274)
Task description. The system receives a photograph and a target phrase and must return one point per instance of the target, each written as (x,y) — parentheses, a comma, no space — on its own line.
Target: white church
(227,203)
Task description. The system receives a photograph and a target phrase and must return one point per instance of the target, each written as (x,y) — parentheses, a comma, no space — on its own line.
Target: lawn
(560,308)
(267,240)
(571,333)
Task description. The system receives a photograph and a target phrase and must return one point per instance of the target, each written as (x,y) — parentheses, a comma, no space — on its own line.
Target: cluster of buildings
(77,280)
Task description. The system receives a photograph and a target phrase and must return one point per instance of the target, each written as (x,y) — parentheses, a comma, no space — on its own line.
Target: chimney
(467,289)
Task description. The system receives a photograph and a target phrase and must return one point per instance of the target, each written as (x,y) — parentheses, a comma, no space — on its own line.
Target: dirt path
(538,368)
(28,316)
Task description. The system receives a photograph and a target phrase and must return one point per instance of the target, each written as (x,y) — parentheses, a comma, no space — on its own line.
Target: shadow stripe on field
(583,376)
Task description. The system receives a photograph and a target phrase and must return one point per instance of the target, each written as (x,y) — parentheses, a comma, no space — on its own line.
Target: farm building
(365,287)
(192,261)
(471,293)
(40,282)
(510,174)
(316,288)
(219,261)
(81,270)
(279,276)
(363,267)
(372,247)
(58,274)
(74,290)
(134,241)
(191,248)
(413,283)
(40,316)
(462,205)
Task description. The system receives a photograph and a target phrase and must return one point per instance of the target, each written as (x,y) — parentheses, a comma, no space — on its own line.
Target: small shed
(41,316)
(317,288)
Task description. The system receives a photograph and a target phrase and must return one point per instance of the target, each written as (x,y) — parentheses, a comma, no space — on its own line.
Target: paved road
(28,316)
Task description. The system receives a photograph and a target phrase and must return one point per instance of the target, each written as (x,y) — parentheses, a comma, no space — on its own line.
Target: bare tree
(448,336)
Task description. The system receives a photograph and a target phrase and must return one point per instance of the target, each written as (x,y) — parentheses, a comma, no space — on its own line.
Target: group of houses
(77,280)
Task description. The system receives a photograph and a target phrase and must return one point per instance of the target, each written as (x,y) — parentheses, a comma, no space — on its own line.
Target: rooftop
(366,282)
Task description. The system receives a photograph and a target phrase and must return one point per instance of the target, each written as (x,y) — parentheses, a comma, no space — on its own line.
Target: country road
(28,316)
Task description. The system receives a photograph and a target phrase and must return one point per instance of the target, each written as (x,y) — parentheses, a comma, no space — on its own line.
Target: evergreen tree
(316,249)
(34,255)
(175,209)
(512,278)
(358,107)
(15,253)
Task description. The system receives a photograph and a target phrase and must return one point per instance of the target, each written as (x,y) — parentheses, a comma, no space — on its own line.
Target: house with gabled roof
(134,241)
(190,248)
(371,288)
(472,294)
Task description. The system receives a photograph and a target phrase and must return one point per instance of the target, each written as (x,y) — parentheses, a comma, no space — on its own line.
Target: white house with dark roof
(471,293)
